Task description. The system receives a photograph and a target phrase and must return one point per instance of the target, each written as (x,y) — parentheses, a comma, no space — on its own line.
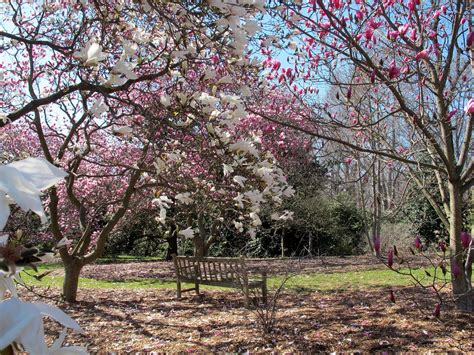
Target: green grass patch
(127,259)
(299,283)
(350,280)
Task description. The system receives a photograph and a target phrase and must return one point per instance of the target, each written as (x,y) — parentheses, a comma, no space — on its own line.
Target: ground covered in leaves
(216,321)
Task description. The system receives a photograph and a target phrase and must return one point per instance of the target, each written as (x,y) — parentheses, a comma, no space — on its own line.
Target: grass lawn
(300,283)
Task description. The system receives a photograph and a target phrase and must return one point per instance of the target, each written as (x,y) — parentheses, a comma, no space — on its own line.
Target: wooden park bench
(224,272)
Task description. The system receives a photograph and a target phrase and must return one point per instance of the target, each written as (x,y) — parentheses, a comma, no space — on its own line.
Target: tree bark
(172,241)
(462,285)
(71,279)
(201,248)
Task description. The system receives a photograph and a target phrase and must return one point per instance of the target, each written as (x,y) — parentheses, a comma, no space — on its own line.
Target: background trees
(101,84)
(418,56)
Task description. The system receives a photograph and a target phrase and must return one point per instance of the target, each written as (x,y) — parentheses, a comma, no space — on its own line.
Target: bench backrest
(214,270)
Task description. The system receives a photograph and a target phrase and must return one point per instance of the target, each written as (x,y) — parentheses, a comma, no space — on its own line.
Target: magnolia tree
(95,77)
(419,54)
(219,183)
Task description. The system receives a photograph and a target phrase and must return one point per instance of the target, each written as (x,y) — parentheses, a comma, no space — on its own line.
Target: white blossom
(122,131)
(188,233)
(240,180)
(22,181)
(227,169)
(184,198)
(91,54)
(22,323)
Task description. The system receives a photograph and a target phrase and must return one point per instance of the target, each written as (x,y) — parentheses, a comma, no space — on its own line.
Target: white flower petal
(4,209)
(39,172)
(187,233)
(58,315)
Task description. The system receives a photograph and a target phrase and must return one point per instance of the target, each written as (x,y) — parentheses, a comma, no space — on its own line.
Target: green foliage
(335,225)
(424,219)
(141,235)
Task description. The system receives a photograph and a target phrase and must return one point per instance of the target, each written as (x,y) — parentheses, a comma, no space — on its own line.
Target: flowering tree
(84,76)
(419,55)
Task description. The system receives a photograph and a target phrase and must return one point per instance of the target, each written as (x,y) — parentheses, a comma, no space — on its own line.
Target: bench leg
(264,288)
(178,290)
(196,285)
(246,297)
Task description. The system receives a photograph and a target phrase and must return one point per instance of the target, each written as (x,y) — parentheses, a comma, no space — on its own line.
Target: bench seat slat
(223,272)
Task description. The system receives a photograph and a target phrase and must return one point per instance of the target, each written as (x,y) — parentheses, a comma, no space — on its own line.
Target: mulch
(124,320)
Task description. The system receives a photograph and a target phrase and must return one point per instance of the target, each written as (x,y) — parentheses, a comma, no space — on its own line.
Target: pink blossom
(417,243)
(465,239)
(390,259)
(452,113)
(376,241)
(470,39)
(442,246)
(393,70)
(422,55)
(455,269)
(469,107)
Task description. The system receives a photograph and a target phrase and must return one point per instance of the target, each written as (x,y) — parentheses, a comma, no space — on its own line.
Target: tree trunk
(201,248)
(462,287)
(172,246)
(71,280)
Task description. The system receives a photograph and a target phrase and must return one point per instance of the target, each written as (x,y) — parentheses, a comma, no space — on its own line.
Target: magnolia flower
(422,55)
(377,244)
(239,180)
(469,107)
(393,70)
(455,269)
(470,39)
(227,169)
(6,282)
(165,100)
(289,191)
(207,99)
(162,218)
(184,198)
(287,215)
(239,226)
(244,147)
(114,80)
(390,259)
(21,183)
(126,69)
(91,54)
(417,242)
(255,219)
(225,80)
(465,239)
(122,131)
(63,243)
(240,200)
(98,108)
(22,323)
(188,233)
